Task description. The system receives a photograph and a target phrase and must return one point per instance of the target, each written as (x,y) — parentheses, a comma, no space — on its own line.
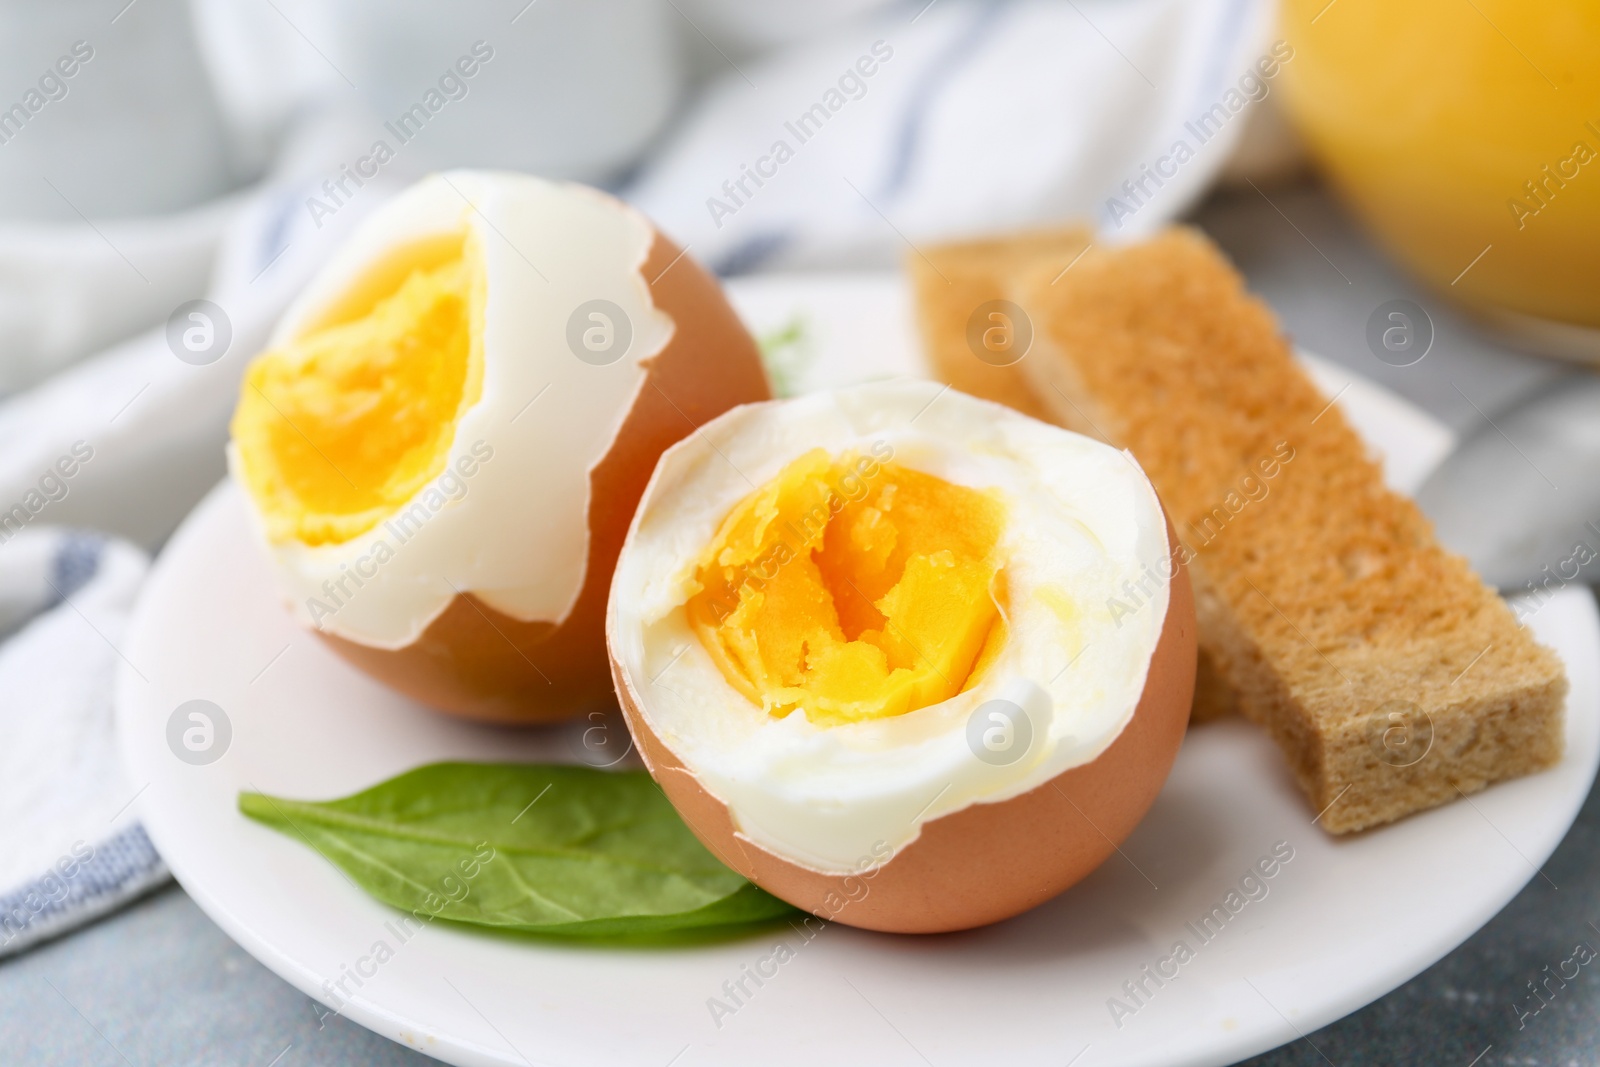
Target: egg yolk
(346,422)
(852,589)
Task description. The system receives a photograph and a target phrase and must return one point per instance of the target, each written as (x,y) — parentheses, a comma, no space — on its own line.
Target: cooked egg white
(397,438)
(819,593)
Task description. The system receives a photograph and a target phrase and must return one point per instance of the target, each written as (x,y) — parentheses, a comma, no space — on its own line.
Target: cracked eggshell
(980,861)
(500,617)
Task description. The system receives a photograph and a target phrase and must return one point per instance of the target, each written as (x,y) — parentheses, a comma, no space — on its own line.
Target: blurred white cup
(745,27)
(105,109)
(561,88)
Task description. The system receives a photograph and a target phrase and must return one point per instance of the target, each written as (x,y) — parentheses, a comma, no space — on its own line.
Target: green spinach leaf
(537,848)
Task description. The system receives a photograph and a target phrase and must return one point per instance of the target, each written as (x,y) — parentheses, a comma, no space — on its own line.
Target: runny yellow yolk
(346,422)
(852,589)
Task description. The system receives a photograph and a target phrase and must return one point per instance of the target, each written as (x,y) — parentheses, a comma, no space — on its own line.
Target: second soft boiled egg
(907,659)
(444,444)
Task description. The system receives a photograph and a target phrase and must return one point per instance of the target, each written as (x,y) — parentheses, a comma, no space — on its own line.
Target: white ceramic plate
(1342,923)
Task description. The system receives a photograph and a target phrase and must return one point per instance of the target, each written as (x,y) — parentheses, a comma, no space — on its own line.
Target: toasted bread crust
(1391,676)
(951,282)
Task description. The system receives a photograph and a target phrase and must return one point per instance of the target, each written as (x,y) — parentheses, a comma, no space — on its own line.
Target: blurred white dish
(106,112)
(565,90)
(110,136)
(1342,923)
(746,26)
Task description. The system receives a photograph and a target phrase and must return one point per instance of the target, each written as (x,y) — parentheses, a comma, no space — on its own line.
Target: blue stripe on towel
(76,562)
(751,253)
(756,251)
(935,77)
(80,888)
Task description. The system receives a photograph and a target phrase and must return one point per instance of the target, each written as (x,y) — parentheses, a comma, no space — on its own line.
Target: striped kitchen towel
(926,121)
(70,847)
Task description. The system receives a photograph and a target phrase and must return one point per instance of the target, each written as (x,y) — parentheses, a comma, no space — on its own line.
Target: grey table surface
(159,983)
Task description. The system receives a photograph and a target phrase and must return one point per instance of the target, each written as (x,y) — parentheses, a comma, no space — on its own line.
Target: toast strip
(953,284)
(1393,679)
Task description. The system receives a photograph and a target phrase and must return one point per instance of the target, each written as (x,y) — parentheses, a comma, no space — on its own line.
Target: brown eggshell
(476,662)
(986,862)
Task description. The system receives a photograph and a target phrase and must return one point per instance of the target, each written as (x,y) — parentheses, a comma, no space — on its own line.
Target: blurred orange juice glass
(1466,133)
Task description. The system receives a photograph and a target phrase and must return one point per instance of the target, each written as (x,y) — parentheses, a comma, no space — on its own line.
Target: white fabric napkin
(958,117)
(68,290)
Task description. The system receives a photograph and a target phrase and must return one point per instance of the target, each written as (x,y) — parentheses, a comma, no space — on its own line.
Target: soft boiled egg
(907,659)
(445,441)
